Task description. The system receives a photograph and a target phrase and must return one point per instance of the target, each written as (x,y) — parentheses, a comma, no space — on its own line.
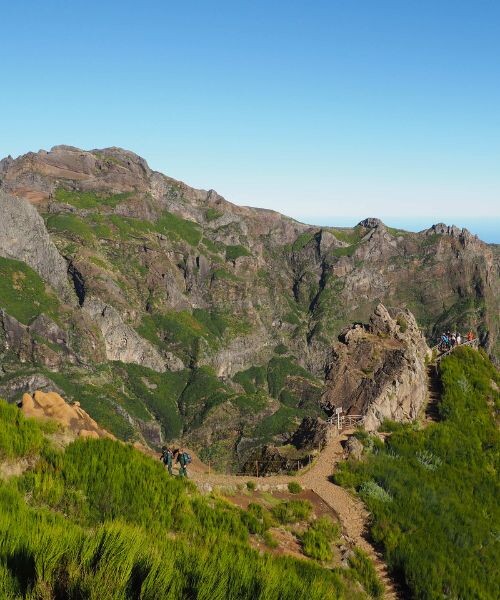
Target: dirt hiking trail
(352,514)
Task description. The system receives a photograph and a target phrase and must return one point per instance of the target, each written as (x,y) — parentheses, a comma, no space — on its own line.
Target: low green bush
(292,511)
(294,487)
(364,571)
(317,539)
(234,252)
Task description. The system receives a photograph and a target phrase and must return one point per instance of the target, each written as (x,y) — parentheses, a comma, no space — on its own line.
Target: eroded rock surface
(23,236)
(123,343)
(52,406)
(378,370)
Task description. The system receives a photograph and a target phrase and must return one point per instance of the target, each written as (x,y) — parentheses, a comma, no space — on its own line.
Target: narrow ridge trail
(353,516)
(434,394)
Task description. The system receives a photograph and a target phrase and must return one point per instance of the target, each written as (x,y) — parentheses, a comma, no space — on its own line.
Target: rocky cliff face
(378,370)
(23,236)
(183,311)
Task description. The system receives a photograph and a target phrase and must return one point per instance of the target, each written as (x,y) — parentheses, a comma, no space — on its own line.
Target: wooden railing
(345,421)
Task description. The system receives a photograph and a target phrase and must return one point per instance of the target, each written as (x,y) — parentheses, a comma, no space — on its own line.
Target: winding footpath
(351,512)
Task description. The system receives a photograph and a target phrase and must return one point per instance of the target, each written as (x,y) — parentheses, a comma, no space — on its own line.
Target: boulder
(353,448)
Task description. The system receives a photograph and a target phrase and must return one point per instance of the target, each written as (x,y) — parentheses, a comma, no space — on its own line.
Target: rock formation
(23,236)
(52,406)
(378,370)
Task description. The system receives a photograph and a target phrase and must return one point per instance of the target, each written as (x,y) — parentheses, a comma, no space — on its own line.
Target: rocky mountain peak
(370,223)
(464,236)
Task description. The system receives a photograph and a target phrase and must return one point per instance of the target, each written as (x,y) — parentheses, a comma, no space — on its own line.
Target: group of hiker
(179,455)
(450,340)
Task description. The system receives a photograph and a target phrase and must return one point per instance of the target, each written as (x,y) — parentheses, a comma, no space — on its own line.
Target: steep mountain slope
(103,521)
(183,315)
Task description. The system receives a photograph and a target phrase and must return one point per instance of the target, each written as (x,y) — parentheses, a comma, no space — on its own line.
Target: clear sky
(324,110)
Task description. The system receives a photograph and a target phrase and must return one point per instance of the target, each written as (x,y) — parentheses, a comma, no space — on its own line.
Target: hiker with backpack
(183,458)
(167,457)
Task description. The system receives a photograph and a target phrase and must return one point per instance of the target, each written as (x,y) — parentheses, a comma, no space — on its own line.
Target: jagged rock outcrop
(353,448)
(378,370)
(32,343)
(23,236)
(13,389)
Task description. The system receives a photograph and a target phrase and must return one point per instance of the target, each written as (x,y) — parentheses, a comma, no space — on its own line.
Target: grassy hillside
(102,521)
(434,492)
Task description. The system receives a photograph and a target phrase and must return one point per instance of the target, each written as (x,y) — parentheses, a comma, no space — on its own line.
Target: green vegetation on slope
(20,436)
(88,200)
(111,226)
(234,252)
(23,294)
(182,331)
(434,492)
(103,522)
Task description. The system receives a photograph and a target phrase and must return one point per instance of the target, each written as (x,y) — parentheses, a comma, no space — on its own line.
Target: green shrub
(269,541)
(317,539)
(403,324)
(303,240)
(281,349)
(294,487)
(365,573)
(250,486)
(292,511)
(234,252)
(212,213)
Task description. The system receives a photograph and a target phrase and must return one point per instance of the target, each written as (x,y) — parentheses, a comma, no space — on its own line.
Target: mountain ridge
(215,321)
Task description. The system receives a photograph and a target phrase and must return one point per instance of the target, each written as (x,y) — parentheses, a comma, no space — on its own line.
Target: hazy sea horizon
(487,230)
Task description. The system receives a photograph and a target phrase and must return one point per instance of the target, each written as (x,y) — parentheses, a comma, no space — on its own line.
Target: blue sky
(327,111)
